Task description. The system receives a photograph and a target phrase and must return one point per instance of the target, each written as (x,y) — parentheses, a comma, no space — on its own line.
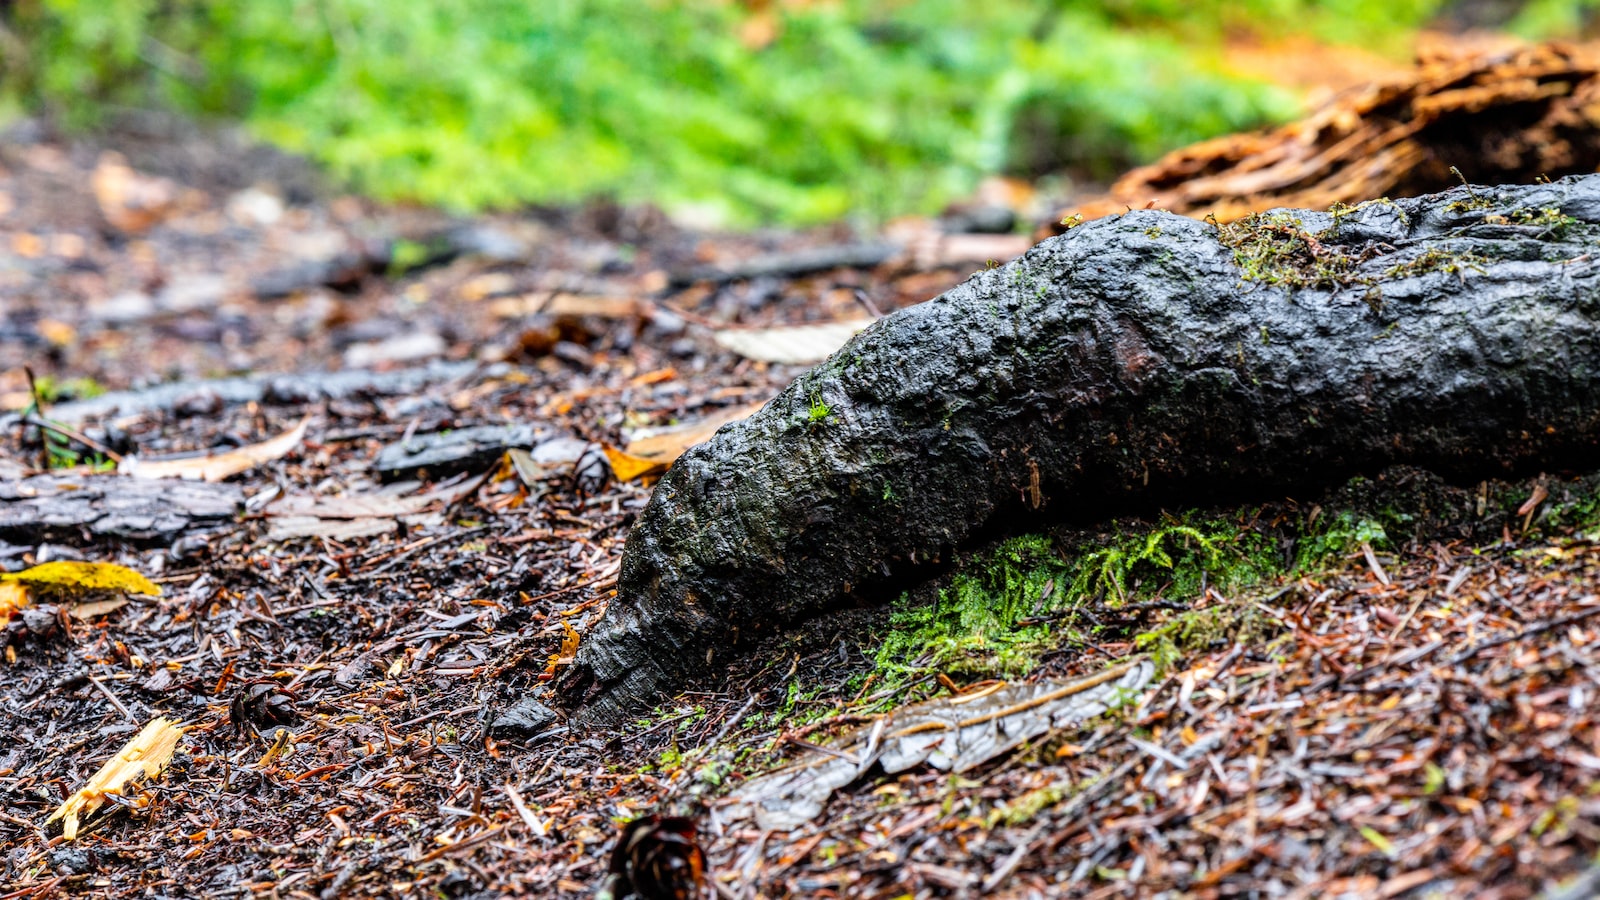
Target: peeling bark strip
(1147,356)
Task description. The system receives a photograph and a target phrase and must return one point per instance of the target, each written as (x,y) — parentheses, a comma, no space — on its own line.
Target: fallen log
(1146,358)
(1500,113)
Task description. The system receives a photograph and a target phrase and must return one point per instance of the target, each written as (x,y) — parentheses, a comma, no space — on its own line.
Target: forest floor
(1413,720)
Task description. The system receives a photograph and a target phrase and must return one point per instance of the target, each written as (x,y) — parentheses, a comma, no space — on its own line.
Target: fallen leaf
(217,466)
(569,650)
(791,344)
(83,612)
(132,202)
(627,467)
(85,576)
(652,451)
(13,597)
(576,305)
(147,754)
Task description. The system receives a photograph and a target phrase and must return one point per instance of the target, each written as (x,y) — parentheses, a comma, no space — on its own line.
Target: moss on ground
(1189,581)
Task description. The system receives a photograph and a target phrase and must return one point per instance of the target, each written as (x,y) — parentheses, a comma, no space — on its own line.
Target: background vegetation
(765,110)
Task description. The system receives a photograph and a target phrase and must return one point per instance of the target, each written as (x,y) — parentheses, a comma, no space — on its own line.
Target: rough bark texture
(47,507)
(1143,358)
(1498,112)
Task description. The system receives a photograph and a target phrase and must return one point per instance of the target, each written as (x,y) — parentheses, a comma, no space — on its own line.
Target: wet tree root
(1146,358)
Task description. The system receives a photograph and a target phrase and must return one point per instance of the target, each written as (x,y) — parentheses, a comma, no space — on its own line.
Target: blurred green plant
(851,107)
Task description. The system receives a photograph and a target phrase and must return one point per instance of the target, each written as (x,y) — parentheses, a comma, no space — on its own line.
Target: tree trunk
(1146,358)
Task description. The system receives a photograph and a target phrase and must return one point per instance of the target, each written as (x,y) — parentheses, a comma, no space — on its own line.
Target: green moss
(819,411)
(1189,631)
(1023,809)
(1276,249)
(1554,223)
(1438,259)
(1341,211)
(1005,608)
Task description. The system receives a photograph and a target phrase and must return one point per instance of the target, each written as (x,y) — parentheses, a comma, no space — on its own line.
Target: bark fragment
(46,507)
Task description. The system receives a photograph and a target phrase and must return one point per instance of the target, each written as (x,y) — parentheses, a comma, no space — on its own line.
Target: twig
(73,434)
(1071,809)
(401,555)
(95,680)
(1530,631)
(598,583)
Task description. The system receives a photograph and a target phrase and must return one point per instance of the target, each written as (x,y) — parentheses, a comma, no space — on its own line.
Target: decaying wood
(789,264)
(951,734)
(209,396)
(1147,358)
(45,507)
(1506,116)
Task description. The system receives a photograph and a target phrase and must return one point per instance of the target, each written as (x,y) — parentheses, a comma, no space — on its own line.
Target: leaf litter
(1432,734)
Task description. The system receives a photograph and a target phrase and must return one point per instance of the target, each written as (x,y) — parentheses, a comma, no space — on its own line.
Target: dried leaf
(13,597)
(131,201)
(951,734)
(791,344)
(628,467)
(83,612)
(569,649)
(217,466)
(147,754)
(85,576)
(652,451)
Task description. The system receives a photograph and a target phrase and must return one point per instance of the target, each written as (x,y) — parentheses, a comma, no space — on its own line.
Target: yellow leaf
(664,445)
(627,467)
(85,576)
(13,597)
(147,754)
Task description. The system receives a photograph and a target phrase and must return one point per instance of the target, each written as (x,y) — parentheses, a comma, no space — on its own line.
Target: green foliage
(852,107)
(54,390)
(1539,18)
(1332,537)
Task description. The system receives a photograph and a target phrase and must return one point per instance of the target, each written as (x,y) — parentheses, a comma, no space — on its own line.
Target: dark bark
(789,265)
(270,388)
(65,507)
(448,453)
(1129,361)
